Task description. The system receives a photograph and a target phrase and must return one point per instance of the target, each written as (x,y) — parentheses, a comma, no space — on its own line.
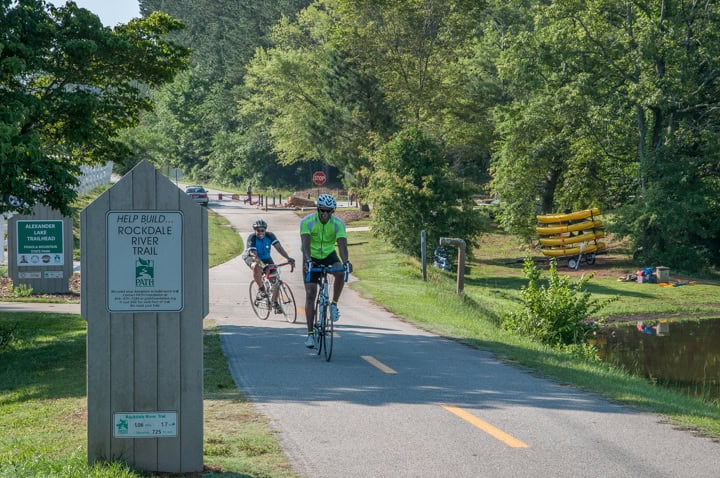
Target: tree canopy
(68,84)
(548,104)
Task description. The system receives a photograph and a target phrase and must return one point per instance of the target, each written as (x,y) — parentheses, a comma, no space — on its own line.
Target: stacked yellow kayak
(571,234)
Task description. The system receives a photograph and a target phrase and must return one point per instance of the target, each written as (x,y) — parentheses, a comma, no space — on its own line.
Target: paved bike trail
(397,401)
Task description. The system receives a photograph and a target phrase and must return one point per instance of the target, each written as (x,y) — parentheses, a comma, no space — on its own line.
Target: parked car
(197,194)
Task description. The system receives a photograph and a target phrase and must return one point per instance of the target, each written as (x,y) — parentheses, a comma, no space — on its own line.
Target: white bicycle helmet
(326,201)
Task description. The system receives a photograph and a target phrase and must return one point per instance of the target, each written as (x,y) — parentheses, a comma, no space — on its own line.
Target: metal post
(423,253)
(452,241)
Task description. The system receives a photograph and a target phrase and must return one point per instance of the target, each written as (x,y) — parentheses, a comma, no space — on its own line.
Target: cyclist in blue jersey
(319,232)
(257,253)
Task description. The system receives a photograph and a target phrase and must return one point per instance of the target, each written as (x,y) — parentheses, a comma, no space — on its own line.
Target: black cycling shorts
(331,260)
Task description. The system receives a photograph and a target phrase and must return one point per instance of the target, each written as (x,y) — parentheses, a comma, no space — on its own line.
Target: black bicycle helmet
(260,223)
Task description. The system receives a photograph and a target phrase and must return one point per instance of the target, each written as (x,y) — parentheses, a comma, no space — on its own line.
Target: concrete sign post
(40,248)
(144,269)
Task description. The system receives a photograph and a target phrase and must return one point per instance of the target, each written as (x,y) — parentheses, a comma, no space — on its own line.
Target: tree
(315,103)
(421,54)
(633,89)
(67,86)
(412,189)
(198,114)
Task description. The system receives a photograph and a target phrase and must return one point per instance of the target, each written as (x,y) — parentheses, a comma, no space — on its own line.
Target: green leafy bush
(555,311)
(412,189)
(20,290)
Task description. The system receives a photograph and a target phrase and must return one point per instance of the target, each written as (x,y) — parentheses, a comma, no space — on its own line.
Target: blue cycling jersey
(262,247)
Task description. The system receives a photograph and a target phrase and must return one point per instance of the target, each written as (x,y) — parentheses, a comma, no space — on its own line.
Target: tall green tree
(316,104)
(633,90)
(375,67)
(67,86)
(421,52)
(412,189)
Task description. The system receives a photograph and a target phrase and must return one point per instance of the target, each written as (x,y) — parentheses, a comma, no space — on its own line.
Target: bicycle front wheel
(286,301)
(260,307)
(318,326)
(328,337)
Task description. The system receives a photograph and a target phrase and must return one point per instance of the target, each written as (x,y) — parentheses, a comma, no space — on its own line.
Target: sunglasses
(326,211)
(259,230)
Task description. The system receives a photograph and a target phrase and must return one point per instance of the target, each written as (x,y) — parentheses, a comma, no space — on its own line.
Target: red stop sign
(319,178)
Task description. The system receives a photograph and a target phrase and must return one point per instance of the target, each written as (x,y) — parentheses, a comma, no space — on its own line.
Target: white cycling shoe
(310,342)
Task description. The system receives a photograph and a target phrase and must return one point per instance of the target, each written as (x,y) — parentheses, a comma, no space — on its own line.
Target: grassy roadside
(492,286)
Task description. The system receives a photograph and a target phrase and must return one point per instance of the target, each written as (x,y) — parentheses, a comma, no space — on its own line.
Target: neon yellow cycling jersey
(322,236)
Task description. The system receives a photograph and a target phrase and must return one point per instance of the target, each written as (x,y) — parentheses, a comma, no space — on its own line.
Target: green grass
(42,393)
(237,439)
(492,286)
(224,242)
(43,412)
(494,276)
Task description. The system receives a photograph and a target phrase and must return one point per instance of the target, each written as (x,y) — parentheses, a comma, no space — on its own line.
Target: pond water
(684,356)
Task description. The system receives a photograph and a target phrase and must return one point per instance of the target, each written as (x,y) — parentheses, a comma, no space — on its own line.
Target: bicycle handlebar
(330,270)
(291,264)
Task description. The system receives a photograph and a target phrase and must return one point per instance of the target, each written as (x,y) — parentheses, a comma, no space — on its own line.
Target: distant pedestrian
(249,192)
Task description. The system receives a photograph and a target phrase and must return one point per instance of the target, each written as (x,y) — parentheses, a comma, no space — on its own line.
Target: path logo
(144,272)
(122,427)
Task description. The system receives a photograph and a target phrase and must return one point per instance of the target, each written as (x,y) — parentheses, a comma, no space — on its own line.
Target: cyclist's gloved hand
(307,266)
(348,267)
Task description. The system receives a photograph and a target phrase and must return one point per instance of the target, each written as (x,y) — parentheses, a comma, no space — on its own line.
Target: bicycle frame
(279,295)
(270,268)
(323,326)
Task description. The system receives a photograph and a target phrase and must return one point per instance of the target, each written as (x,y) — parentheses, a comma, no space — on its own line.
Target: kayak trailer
(573,235)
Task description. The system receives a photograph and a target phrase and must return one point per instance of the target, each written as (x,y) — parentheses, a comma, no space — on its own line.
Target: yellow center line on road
(491,430)
(377,364)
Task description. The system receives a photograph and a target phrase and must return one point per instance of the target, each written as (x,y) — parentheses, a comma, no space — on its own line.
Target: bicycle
(284,302)
(323,326)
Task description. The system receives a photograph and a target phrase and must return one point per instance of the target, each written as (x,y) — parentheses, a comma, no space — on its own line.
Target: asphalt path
(397,401)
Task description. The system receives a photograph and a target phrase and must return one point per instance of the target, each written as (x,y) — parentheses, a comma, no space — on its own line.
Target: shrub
(412,189)
(555,311)
(20,290)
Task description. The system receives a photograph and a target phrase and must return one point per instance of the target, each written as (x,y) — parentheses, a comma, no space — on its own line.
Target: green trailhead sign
(40,243)
(144,254)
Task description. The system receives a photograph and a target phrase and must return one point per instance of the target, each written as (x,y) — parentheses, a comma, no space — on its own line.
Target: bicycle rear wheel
(328,337)
(260,307)
(286,301)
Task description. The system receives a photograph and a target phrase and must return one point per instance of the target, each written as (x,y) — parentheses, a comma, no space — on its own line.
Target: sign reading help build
(144,251)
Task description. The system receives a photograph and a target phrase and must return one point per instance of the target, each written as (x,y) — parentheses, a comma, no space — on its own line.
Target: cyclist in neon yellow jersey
(319,232)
